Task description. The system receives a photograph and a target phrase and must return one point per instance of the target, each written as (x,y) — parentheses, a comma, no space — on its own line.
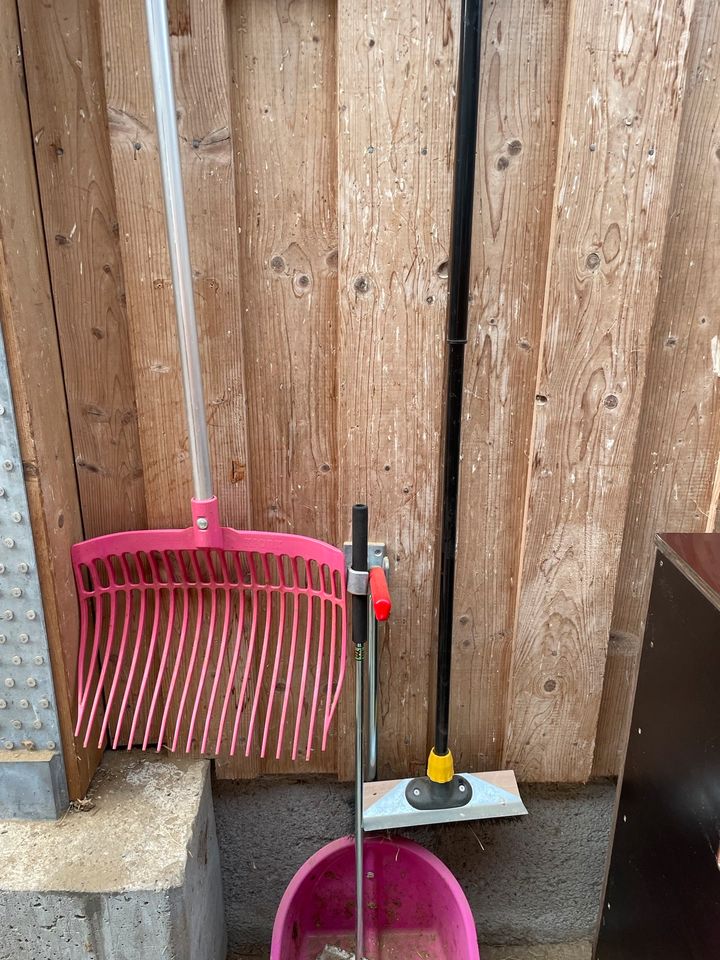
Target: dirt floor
(581,950)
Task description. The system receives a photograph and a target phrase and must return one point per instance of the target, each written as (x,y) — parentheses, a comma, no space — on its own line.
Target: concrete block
(135,877)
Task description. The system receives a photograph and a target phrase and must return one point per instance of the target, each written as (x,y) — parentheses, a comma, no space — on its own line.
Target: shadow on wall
(536,879)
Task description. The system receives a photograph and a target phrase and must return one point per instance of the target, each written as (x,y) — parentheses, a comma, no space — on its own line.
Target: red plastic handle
(380,594)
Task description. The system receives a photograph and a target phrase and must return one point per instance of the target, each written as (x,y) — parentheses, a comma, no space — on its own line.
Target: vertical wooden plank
(624,75)
(678,445)
(199,47)
(61,46)
(522,70)
(396,82)
(200,62)
(284,108)
(28,322)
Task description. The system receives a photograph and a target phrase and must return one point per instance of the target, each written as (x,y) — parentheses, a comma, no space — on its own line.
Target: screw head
(44,703)
(15,516)
(202,523)
(25,703)
(9,682)
(8,465)
(3,704)
(8,615)
(3,638)
(38,661)
(16,592)
(416,792)
(51,744)
(9,745)
(31,615)
(9,542)
(37,724)
(461,788)
(21,568)
(23,638)
(31,682)
(2,491)
(2,568)
(17,661)
(2,410)
(16,724)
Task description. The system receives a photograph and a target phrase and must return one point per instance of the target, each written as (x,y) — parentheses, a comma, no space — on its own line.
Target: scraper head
(386,805)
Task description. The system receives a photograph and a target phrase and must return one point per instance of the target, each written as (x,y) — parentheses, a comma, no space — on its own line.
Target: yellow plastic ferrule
(440,769)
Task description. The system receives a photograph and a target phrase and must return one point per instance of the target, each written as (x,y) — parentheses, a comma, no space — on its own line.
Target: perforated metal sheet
(28,715)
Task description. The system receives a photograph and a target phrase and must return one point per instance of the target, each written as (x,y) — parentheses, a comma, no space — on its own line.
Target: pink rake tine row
(189,637)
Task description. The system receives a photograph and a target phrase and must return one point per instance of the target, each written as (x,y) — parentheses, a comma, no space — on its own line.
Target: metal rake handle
(178,245)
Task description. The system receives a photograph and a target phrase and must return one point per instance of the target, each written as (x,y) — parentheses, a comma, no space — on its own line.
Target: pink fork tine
(164,657)
(112,600)
(178,662)
(234,661)
(318,676)
(331,673)
(155,573)
(303,679)
(105,660)
(205,665)
(133,666)
(331,666)
(193,652)
(98,609)
(123,646)
(82,648)
(221,654)
(263,655)
(249,656)
(295,586)
(278,655)
(340,612)
(118,666)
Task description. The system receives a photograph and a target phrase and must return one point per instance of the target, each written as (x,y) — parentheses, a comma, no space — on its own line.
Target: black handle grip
(359,562)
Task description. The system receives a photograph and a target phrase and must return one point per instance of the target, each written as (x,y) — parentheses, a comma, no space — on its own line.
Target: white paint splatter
(715,351)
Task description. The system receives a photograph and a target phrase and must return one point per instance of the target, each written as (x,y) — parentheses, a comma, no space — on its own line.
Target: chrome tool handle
(177,232)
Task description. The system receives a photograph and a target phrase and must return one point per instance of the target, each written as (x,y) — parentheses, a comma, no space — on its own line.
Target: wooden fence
(317,143)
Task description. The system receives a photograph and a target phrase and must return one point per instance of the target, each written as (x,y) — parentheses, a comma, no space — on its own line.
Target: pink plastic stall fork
(205,639)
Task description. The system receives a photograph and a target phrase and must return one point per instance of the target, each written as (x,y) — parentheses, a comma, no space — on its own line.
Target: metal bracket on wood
(32,773)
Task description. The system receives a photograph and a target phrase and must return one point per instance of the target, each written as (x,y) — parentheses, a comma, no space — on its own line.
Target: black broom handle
(457,323)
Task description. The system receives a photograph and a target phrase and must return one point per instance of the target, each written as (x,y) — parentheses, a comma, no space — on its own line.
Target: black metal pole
(359,562)
(457,322)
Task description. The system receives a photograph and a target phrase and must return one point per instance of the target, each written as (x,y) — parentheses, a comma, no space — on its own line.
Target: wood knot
(549,685)
(362,284)
(592,261)
(277,264)
(611,401)
(442,270)
(502,163)
(514,147)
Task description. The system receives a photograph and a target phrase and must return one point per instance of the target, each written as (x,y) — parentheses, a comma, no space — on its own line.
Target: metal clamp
(357,582)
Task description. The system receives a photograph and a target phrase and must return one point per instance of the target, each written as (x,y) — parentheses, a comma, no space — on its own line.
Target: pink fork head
(209,639)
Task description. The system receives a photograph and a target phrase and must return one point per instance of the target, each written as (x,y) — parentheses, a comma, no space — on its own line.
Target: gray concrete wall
(535,879)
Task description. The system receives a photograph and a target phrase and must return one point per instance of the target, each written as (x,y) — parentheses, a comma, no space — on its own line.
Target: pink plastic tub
(414,906)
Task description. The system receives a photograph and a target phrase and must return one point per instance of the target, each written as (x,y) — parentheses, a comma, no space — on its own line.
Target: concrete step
(131,875)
